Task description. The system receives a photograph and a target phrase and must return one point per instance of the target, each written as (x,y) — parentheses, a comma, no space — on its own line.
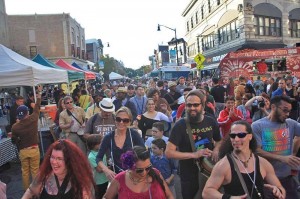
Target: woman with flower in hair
(140,180)
(65,173)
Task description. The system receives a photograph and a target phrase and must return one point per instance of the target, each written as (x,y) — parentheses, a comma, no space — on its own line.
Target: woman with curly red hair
(65,173)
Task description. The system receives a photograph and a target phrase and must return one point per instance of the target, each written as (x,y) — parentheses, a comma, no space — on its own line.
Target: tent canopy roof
(72,75)
(16,70)
(64,64)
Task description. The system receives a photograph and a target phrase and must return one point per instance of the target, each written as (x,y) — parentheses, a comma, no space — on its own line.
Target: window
(209,41)
(267,26)
(209,6)
(294,28)
(192,50)
(196,15)
(187,26)
(192,24)
(33,51)
(229,32)
(218,2)
(202,12)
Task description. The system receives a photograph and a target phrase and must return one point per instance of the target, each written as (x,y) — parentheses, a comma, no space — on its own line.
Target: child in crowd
(93,144)
(162,163)
(157,133)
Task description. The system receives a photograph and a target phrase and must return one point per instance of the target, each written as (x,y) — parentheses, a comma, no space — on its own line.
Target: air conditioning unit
(240,8)
(274,34)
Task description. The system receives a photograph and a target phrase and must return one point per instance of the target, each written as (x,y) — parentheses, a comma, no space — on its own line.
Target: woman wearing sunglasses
(140,180)
(117,142)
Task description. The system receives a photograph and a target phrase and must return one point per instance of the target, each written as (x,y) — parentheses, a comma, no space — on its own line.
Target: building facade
(216,27)
(4,36)
(56,36)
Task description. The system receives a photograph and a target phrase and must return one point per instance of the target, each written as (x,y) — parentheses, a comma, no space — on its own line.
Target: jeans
(30,162)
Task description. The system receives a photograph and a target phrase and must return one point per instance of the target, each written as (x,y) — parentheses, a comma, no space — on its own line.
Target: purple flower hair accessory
(128,160)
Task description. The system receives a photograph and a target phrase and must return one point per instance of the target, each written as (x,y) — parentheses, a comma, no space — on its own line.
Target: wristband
(226,196)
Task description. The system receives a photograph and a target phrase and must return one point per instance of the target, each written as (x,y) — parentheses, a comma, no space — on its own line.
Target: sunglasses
(239,135)
(125,120)
(141,170)
(193,105)
(70,102)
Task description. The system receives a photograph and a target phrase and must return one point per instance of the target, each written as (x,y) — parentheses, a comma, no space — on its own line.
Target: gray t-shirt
(99,125)
(276,138)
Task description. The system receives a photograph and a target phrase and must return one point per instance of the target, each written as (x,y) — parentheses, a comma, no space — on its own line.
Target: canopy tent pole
(86,88)
(34,93)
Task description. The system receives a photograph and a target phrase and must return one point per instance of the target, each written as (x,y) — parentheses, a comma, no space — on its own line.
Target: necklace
(252,180)
(245,163)
(135,181)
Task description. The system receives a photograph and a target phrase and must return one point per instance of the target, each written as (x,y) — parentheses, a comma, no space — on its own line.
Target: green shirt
(99,177)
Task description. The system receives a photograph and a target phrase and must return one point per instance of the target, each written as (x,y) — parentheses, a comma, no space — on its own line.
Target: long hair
(226,146)
(78,167)
(130,157)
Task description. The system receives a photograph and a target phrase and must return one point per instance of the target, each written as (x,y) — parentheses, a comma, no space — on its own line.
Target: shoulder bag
(81,129)
(202,177)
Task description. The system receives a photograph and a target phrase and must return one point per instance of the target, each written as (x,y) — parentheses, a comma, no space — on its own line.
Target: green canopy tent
(72,75)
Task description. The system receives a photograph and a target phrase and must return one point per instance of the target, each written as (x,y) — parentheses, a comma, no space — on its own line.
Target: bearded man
(274,135)
(206,135)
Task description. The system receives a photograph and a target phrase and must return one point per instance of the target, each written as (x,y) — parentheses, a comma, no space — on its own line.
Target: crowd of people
(130,140)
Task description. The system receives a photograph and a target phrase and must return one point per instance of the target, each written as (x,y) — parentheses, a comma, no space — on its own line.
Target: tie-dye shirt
(277,138)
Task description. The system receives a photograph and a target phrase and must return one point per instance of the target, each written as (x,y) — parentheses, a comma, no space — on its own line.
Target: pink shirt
(124,192)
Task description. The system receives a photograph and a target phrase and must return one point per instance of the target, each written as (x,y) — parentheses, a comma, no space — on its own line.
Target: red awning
(65,65)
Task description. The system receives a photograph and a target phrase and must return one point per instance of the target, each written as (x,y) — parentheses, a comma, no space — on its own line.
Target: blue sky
(129,26)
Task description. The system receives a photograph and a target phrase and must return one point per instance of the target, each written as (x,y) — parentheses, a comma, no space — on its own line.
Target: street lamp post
(174,29)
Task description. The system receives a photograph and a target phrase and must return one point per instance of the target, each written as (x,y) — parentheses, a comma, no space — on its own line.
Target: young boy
(93,144)
(157,133)
(229,115)
(164,165)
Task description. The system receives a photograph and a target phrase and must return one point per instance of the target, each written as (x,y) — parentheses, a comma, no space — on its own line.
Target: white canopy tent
(115,76)
(16,70)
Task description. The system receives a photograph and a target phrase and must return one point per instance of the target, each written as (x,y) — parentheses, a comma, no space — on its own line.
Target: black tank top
(235,188)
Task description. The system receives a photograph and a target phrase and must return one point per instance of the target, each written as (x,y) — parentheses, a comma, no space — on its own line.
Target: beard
(277,116)
(194,118)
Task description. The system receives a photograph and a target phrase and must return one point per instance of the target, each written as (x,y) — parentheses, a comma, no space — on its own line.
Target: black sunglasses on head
(239,135)
(125,120)
(141,170)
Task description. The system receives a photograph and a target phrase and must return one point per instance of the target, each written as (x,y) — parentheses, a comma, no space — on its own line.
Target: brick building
(56,36)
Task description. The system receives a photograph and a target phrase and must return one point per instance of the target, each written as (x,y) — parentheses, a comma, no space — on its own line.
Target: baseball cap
(22,111)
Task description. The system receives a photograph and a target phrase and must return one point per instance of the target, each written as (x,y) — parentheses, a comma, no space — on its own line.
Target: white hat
(107,105)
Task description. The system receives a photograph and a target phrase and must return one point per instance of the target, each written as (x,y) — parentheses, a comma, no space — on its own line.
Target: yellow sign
(199,59)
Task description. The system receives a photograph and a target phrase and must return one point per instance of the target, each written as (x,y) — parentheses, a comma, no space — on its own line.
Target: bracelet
(226,196)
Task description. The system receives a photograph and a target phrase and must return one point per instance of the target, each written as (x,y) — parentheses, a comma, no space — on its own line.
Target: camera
(261,104)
